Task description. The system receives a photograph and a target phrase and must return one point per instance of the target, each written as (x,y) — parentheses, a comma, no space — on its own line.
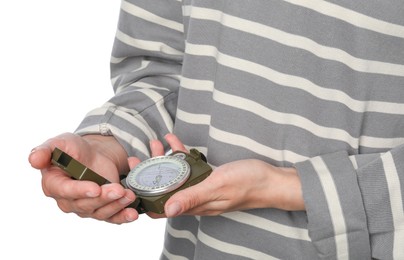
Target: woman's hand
(105,156)
(239,185)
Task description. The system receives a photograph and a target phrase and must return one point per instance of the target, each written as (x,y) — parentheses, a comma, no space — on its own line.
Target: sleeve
(145,67)
(355,204)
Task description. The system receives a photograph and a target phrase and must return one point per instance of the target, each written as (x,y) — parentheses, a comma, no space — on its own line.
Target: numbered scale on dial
(158,175)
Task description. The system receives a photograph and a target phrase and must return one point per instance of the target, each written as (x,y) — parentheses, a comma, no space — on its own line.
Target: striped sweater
(316,85)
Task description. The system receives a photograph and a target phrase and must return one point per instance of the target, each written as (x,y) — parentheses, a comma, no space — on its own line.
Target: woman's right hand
(104,155)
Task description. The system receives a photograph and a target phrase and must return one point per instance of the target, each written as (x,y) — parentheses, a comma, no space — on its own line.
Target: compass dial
(158,175)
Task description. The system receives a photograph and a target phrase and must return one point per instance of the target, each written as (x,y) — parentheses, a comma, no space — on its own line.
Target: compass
(155,180)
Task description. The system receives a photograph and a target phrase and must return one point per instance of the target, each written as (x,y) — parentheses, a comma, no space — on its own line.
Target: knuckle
(99,216)
(84,207)
(45,189)
(193,200)
(82,215)
(64,206)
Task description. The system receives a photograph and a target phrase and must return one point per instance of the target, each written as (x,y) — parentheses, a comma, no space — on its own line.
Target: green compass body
(155,180)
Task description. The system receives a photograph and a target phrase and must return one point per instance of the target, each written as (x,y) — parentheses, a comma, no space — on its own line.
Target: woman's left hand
(239,185)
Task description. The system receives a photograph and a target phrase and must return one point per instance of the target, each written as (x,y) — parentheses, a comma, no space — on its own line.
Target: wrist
(291,191)
(283,189)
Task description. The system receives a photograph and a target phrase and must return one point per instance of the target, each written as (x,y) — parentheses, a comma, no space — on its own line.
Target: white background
(54,68)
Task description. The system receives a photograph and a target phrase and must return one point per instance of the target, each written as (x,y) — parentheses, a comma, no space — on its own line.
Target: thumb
(133,161)
(173,209)
(39,157)
(184,201)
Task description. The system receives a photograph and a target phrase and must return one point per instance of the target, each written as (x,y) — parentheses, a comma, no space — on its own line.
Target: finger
(175,143)
(157,148)
(133,161)
(106,203)
(126,215)
(187,199)
(40,156)
(56,184)
(211,208)
(114,211)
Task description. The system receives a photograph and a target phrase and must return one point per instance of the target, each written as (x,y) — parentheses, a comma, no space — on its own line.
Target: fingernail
(130,218)
(124,200)
(173,209)
(113,196)
(91,194)
(30,154)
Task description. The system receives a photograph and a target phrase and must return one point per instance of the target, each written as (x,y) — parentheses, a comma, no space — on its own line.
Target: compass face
(158,175)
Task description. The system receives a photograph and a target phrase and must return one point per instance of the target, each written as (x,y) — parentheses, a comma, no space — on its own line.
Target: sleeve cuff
(336,217)
(132,132)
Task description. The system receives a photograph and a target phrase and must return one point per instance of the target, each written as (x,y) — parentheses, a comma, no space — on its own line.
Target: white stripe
(304,123)
(237,140)
(144,85)
(182,234)
(159,103)
(296,41)
(141,84)
(352,17)
(396,204)
(196,119)
(129,138)
(288,119)
(250,144)
(130,115)
(383,143)
(143,65)
(231,248)
(268,225)
(354,162)
(114,80)
(138,85)
(171,256)
(146,45)
(284,118)
(334,207)
(126,114)
(295,82)
(116,60)
(150,17)
(262,111)
(197,84)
